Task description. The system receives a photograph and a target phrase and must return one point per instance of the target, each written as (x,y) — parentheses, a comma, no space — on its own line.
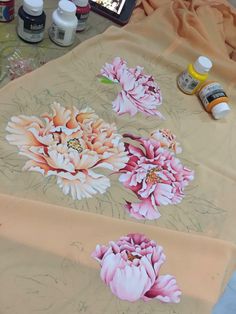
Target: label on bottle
(62,36)
(6,11)
(32,32)
(211,92)
(82,18)
(187,83)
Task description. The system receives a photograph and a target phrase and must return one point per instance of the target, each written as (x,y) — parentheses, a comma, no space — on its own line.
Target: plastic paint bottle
(64,24)
(194,76)
(7,10)
(31,21)
(82,13)
(214,99)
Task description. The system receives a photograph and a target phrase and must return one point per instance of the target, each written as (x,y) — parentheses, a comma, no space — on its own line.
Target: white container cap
(67,7)
(80,3)
(202,65)
(33,7)
(220,111)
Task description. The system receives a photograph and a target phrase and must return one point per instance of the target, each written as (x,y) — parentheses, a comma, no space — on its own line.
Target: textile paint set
(68,18)
(193,80)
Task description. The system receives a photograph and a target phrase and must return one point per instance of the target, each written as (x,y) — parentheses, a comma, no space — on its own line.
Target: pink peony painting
(131,269)
(154,174)
(71,145)
(139,92)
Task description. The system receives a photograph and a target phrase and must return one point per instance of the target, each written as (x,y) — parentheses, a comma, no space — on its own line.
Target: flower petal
(60,115)
(130,283)
(164,289)
(149,268)
(81,185)
(122,104)
(110,264)
(143,210)
(99,252)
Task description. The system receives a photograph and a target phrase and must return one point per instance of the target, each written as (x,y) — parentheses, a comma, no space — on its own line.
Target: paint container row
(69,17)
(193,80)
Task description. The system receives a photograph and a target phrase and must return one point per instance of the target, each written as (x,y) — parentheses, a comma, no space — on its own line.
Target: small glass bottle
(82,13)
(31,21)
(194,76)
(64,24)
(214,99)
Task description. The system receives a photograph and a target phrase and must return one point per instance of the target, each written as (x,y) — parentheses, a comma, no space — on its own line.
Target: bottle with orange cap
(214,99)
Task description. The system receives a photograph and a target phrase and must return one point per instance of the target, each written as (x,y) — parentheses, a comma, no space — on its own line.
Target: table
(45,50)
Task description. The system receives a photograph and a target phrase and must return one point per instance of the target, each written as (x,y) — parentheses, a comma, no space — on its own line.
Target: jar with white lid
(64,24)
(31,21)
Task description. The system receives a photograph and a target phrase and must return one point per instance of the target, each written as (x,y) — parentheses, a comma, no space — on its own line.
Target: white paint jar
(64,24)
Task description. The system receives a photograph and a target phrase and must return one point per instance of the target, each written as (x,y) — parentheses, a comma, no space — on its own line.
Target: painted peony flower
(69,144)
(139,92)
(131,266)
(155,175)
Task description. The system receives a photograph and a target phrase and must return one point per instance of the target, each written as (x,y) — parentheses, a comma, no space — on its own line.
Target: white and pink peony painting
(130,267)
(139,92)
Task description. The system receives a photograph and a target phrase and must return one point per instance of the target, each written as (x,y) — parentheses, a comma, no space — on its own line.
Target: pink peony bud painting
(139,92)
(130,267)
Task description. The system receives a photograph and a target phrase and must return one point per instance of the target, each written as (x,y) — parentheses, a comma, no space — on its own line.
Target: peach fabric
(45,249)
(212,18)
(43,246)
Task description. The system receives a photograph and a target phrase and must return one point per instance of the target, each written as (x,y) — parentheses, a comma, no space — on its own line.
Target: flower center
(75,144)
(152,176)
(131,257)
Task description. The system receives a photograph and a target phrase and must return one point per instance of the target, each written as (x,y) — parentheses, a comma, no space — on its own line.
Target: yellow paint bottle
(190,80)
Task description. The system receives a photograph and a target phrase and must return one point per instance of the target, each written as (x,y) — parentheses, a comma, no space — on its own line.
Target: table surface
(45,50)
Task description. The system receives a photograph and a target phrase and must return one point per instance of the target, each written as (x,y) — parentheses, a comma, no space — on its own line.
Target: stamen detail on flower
(153,177)
(131,257)
(75,144)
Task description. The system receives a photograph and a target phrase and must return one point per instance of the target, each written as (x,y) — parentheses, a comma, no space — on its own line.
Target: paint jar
(7,10)
(194,76)
(82,13)
(31,21)
(64,24)
(214,99)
